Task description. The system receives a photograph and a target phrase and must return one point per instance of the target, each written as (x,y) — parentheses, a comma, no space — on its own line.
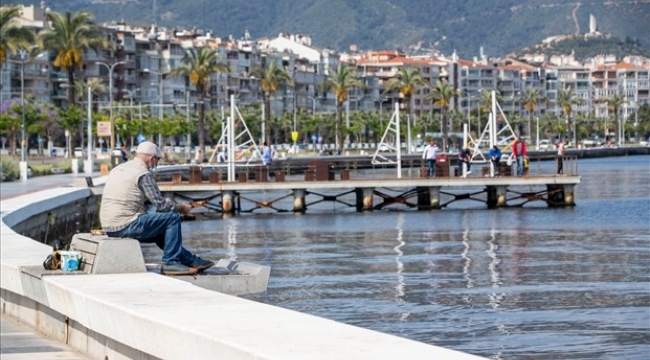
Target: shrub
(9,169)
(41,169)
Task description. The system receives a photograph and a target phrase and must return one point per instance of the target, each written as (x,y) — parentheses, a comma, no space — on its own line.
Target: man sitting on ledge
(123,214)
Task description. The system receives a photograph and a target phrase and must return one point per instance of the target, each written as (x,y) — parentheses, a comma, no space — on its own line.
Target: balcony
(59,93)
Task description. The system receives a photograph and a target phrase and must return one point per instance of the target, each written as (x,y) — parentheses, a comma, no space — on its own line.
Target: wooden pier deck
(364,194)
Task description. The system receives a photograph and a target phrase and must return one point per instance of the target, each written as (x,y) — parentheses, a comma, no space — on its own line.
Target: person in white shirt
(429,155)
(560,154)
(266,154)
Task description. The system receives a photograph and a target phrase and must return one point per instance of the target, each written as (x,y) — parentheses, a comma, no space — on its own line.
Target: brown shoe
(177,269)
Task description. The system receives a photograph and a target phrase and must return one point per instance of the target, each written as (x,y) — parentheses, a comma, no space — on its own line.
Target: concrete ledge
(148,316)
(211,325)
(229,277)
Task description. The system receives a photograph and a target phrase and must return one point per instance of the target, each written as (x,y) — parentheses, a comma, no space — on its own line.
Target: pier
(111,316)
(254,190)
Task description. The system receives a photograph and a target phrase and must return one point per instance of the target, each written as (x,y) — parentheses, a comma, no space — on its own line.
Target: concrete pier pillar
(568,195)
(560,195)
(365,201)
(299,205)
(429,198)
(227,203)
(497,196)
(424,199)
(434,197)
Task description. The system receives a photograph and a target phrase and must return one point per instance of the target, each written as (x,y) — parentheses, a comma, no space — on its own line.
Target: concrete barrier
(148,316)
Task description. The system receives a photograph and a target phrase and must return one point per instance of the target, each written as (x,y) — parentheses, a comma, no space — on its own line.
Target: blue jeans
(431,167)
(520,165)
(161,228)
(495,165)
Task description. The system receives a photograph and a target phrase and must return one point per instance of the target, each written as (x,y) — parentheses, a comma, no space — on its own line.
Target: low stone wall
(149,316)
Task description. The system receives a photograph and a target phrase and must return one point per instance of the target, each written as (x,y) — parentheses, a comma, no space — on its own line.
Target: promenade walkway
(17,341)
(16,188)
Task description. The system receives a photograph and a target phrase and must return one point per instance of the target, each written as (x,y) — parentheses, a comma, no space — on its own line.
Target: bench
(105,255)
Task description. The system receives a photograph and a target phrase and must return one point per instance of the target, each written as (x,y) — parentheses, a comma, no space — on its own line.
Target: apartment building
(138,70)
(376,68)
(630,81)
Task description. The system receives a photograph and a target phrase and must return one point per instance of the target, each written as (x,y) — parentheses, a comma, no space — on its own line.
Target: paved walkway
(18,341)
(16,188)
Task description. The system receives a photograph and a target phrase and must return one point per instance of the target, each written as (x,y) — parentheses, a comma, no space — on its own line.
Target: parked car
(545,145)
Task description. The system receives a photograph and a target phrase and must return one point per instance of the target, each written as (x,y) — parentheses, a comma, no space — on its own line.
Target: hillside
(585,47)
(499,26)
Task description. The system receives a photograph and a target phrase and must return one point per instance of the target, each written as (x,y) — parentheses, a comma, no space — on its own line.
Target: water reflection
(400,265)
(506,284)
(232,241)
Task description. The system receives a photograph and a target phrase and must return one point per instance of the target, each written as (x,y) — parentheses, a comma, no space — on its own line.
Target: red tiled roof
(400,60)
(620,66)
(469,63)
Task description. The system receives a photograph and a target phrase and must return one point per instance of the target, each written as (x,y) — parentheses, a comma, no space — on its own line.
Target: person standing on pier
(266,154)
(464,158)
(495,158)
(122,212)
(519,152)
(429,155)
(560,154)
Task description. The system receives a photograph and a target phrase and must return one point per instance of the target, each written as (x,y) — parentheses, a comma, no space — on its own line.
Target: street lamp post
(131,96)
(110,96)
(380,101)
(23,148)
(470,97)
(188,141)
(160,99)
(88,166)
(294,134)
(313,104)
(636,116)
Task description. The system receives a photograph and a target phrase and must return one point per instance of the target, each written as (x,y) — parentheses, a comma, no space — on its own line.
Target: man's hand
(183,208)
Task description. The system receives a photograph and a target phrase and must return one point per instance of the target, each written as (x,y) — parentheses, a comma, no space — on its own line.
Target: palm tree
(529,100)
(340,80)
(68,37)
(566,98)
(442,95)
(271,77)
(406,81)
(12,35)
(198,64)
(485,101)
(614,103)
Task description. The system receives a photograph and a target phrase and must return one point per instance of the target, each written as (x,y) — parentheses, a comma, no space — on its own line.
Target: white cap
(149,148)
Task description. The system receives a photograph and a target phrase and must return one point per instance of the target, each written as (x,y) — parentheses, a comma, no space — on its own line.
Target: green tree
(69,119)
(566,98)
(442,95)
(406,81)
(485,103)
(339,81)
(12,35)
(614,104)
(271,77)
(198,64)
(11,121)
(551,123)
(530,99)
(643,118)
(67,37)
